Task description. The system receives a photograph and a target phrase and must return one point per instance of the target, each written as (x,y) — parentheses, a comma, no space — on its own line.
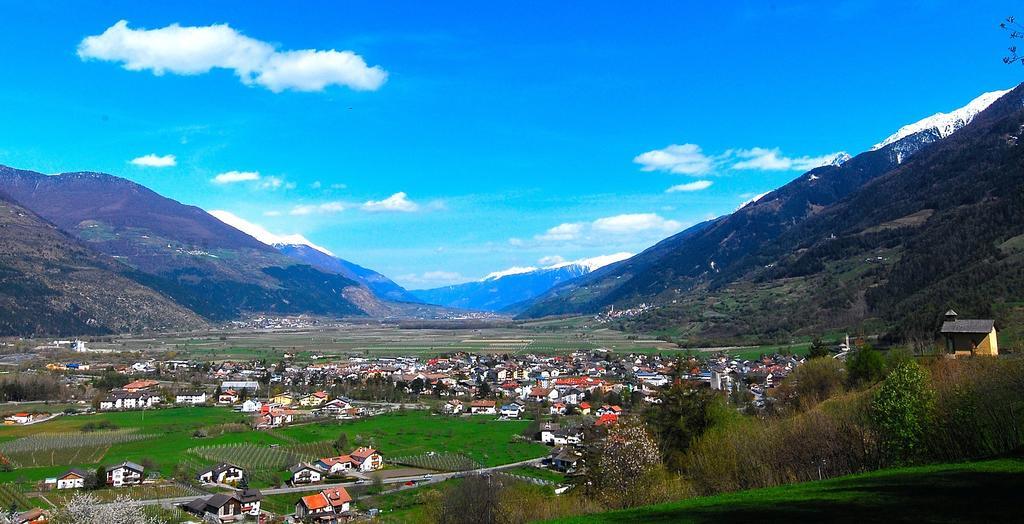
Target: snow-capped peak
(593,263)
(585,264)
(945,124)
(262,234)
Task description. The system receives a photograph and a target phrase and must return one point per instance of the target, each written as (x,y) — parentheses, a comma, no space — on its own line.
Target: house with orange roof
(328,506)
(139,385)
(314,399)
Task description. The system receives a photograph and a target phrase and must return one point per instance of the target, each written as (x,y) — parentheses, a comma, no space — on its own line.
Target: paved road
(420,480)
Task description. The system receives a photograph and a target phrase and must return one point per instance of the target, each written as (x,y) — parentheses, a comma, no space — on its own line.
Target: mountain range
(180,251)
(502,291)
(928,219)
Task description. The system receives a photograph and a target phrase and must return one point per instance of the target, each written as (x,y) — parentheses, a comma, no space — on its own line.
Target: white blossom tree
(86,508)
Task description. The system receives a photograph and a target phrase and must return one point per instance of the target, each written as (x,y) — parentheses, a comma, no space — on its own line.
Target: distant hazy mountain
(53,284)
(381,285)
(505,289)
(181,251)
(835,245)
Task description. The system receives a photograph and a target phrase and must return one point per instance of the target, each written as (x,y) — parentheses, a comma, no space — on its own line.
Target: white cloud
(561,232)
(685,159)
(551,260)
(152,160)
(233,177)
(690,159)
(635,223)
(692,186)
(317,209)
(193,50)
(764,159)
(261,233)
(396,202)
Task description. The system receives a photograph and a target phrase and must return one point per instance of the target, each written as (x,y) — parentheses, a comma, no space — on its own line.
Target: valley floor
(985,491)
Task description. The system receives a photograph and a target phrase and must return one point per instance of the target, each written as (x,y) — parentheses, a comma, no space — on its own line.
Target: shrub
(902,411)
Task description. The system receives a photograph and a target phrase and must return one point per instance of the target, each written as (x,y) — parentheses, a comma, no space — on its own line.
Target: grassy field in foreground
(984,491)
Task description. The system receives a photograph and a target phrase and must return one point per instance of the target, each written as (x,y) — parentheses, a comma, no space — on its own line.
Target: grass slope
(970,492)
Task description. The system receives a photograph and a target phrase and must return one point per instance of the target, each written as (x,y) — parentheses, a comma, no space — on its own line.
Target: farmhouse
(453,407)
(217,508)
(335,465)
(125,474)
(511,410)
(229,396)
(72,479)
(19,418)
(367,459)
(564,460)
(250,499)
(303,473)
(190,397)
(483,407)
(329,506)
(283,399)
(314,399)
(965,337)
(222,473)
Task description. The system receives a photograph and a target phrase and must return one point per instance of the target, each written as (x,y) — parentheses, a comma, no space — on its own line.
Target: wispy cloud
(764,159)
(617,229)
(698,185)
(690,159)
(234,177)
(317,209)
(398,202)
(193,50)
(635,223)
(152,160)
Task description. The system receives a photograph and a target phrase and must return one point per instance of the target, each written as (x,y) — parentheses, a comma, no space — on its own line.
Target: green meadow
(965,492)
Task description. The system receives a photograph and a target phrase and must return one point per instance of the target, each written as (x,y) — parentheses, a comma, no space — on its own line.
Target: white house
(453,407)
(72,479)
(511,410)
(483,407)
(190,397)
(303,473)
(251,406)
(125,474)
(222,473)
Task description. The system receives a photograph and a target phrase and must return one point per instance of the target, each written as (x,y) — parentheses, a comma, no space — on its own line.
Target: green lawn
(970,492)
(482,438)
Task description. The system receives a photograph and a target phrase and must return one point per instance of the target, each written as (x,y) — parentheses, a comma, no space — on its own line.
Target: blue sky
(438,142)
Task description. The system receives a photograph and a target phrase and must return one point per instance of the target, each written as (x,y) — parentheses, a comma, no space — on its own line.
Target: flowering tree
(620,465)
(86,508)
